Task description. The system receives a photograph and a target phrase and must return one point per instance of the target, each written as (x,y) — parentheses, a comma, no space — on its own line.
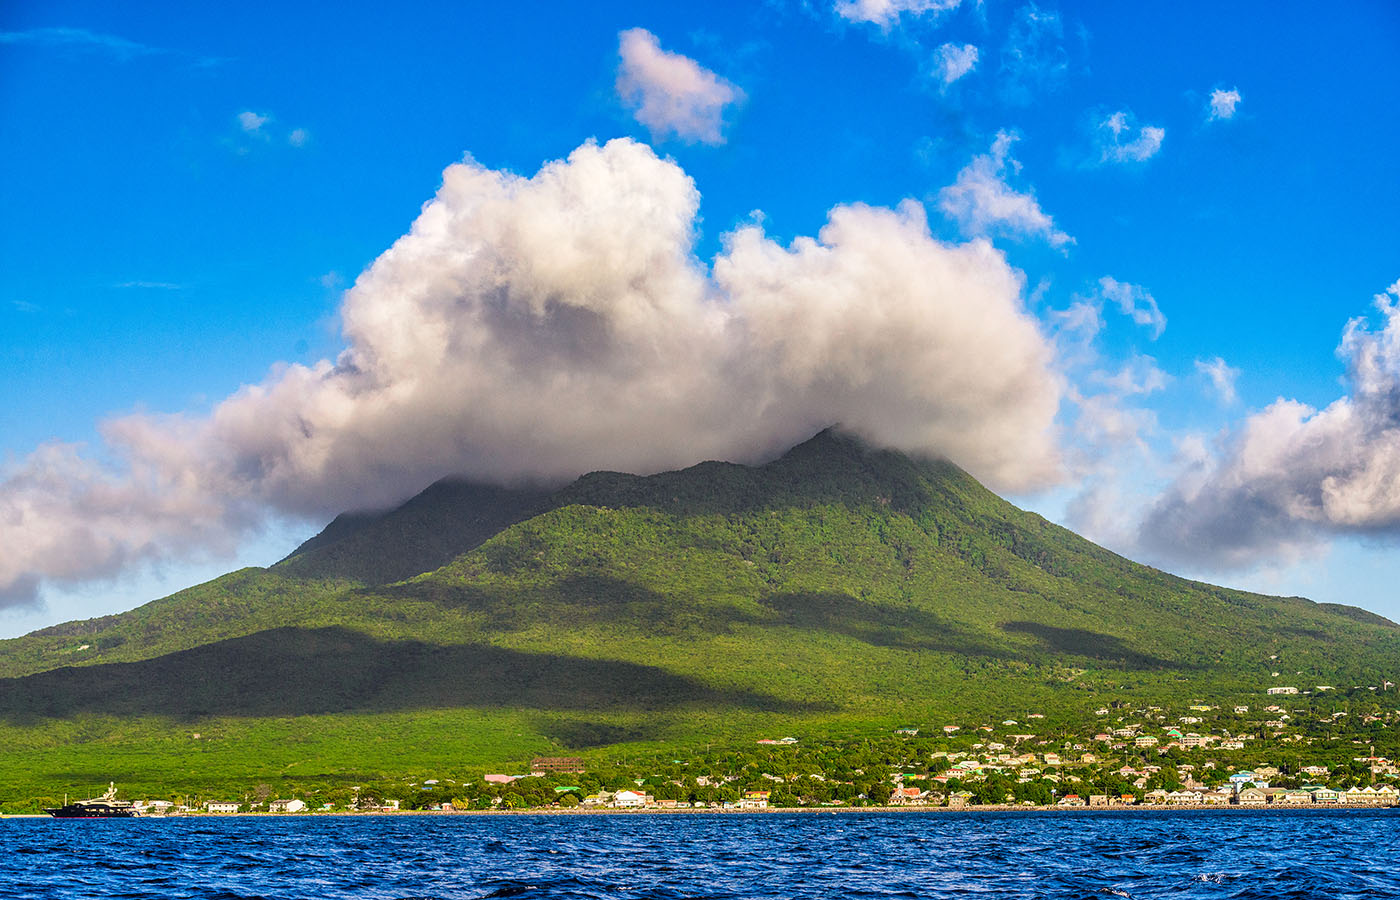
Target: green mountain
(837,589)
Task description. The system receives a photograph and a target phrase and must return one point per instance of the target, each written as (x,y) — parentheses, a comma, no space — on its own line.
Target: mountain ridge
(835,589)
(454,517)
(835,581)
(338,549)
(820,468)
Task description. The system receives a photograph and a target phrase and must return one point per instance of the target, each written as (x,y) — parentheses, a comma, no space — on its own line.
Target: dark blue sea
(1243,854)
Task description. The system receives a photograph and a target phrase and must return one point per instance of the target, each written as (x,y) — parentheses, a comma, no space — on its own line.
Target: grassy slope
(835,589)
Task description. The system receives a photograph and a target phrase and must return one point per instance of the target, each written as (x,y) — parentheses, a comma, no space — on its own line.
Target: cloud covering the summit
(535,328)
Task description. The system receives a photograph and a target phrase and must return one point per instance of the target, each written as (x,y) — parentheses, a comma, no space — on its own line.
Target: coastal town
(1292,749)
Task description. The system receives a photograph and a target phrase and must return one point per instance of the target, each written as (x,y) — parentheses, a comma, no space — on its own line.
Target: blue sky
(1182,209)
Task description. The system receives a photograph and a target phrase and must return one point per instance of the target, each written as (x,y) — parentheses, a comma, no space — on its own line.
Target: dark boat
(105,807)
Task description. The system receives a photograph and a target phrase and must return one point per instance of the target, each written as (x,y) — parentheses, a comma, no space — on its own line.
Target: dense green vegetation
(425,760)
(838,591)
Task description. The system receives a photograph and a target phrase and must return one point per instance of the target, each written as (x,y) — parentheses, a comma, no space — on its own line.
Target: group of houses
(1383,795)
(156,808)
(640,800)
(273,806)
(1377,795)
(1060,769)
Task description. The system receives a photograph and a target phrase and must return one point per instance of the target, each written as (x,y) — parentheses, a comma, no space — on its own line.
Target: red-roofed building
(907,796)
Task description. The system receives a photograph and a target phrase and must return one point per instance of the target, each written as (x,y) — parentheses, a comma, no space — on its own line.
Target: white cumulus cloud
(669,93)
(537,328)
(1223,103)
(981,201)
(1290,474)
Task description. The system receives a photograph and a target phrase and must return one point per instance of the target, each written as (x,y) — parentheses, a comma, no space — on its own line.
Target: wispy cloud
(982,203)
(1222,104)
(252,123)
(80,38)
(1119,139)
(1033,59)
(671,94)
(1134,301)
(886,12)
(1222,377)
(1077,325)
(953,61)
(152,285)
(1108,421)
(1138,376)
(25,306)
(262,127)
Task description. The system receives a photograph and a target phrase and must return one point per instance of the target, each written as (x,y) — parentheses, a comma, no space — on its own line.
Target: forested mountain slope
(838,582)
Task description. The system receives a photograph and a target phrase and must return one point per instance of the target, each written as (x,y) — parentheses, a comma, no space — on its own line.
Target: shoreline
(807,810)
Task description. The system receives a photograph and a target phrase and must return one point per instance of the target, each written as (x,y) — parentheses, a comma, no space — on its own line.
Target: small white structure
(217,807)
(154,807)
(286,806)
(628,800)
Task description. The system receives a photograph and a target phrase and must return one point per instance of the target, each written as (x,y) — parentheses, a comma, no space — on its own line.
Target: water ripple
(1140,856)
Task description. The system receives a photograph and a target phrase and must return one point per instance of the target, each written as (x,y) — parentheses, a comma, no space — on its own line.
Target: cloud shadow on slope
(877,625)
(1102,648)
(310,671)
(579,600)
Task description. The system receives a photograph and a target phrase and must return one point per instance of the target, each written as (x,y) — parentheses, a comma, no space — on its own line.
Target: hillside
(427,532)
(836,588)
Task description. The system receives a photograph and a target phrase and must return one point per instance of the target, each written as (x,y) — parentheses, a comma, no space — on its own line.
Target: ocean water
(1237,854)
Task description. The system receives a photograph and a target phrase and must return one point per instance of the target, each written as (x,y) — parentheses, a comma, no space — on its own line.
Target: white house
(628,800)
(216,807)
(154,807)
(286,806)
